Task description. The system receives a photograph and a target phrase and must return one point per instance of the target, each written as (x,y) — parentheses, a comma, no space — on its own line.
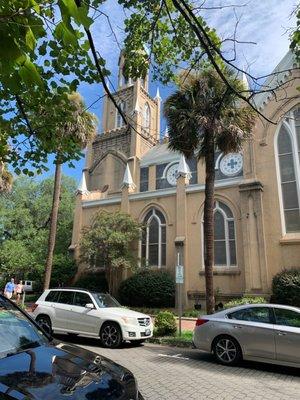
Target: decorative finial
(82,188)
(127,180)
(183,168)
(157,96)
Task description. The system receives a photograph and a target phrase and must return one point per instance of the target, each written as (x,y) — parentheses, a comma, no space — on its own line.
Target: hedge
(148,288)
(245,300)
(286,287)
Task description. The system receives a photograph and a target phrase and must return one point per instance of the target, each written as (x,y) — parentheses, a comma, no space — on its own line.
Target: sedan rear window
(287,317)
(17,333)
(255,314)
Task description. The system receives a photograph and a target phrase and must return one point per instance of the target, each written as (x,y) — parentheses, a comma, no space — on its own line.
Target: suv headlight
(129,320)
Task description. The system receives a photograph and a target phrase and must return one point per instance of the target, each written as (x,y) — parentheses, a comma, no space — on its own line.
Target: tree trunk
(53,226)
(209,221)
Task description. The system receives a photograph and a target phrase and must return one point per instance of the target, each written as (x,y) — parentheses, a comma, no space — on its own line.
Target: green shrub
(245,300)
(165,324)
(191,313)
(286,287)
(93,281)
(148,289)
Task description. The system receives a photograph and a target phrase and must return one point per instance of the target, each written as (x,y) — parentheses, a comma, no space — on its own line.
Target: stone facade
(256,228)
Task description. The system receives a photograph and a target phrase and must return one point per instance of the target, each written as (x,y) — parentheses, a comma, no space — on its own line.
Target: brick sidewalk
(165,373)
(187,324)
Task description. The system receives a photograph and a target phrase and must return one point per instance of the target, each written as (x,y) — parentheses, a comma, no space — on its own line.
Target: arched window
(119,120)
(288,150)
(154,239)
(224,239)
(147,117)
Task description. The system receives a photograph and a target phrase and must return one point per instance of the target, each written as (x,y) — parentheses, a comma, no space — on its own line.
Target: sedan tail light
(33,307)
(201,321)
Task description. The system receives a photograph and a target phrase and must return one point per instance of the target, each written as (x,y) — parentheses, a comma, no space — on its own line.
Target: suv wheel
(110,335)
(226,350)
(45,323)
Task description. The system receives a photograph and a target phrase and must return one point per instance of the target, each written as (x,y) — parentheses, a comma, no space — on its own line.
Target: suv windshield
(17,333)
(105,300)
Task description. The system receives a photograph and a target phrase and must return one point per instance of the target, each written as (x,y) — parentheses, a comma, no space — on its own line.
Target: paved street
(166,373)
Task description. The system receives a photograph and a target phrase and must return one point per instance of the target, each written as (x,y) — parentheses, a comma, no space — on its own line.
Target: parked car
(28,286)
(83,312)
(35,367)
(259,332)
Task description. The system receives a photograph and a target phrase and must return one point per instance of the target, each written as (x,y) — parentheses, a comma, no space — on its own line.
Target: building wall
(262,247)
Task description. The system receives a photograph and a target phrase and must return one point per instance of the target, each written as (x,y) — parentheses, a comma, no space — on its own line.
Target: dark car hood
(62,371)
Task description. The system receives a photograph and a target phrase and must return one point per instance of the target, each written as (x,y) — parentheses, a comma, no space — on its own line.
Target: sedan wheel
(227,350)
(111,335)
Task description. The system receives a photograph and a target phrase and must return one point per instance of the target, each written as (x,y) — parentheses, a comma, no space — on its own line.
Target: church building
(257,191)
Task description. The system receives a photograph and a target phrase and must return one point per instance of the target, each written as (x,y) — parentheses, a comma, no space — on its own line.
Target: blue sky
(265,22)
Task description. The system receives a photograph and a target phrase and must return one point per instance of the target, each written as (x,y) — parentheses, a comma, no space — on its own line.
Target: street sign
(179,273)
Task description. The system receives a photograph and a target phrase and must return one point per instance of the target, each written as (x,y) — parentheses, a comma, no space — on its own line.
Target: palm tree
(204,115)
(5,179)
(81,127)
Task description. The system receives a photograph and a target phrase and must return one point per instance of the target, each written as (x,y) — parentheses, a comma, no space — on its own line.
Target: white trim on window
(227,219)
(160,244)
(119,120)
(147,117)
(289,123)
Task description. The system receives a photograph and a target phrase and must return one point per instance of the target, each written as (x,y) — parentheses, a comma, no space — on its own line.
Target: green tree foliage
(108,242)
(205,115)
(24,221)
(161,27)
(44,55)
(295,37)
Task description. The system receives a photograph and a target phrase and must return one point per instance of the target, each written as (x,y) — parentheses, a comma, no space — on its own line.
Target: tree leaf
(30,39)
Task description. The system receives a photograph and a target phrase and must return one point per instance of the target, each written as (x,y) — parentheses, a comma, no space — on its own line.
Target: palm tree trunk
(53,225)
(209,221)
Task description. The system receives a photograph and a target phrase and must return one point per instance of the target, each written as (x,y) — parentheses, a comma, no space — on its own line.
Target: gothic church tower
(120,144)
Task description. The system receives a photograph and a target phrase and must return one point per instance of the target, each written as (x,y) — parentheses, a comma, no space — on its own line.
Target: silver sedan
(259,332)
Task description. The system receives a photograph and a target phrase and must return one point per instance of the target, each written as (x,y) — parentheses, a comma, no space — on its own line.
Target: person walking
(9,289)
(19,291)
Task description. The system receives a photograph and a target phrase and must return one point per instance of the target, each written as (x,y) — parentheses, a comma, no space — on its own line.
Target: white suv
(82,312)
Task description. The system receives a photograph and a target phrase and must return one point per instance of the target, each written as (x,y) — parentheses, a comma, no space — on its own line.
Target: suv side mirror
(90,306)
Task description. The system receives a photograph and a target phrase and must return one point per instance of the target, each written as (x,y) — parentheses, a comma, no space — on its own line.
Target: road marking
(179,356)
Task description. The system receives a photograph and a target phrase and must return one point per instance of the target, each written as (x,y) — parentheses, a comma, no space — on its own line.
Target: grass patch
(185,340)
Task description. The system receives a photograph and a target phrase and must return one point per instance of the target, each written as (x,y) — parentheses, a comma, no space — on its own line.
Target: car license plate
(147,332)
